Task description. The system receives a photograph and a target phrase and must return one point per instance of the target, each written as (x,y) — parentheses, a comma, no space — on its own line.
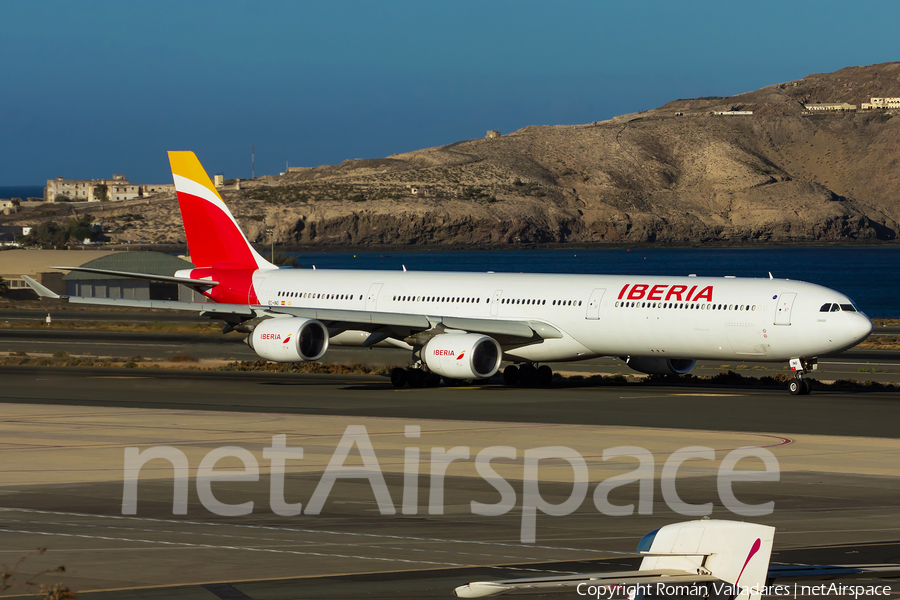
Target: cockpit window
(825,307)
(835,308)
(848,307)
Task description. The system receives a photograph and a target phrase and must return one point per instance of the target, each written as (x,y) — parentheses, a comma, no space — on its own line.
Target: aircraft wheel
(795,387)
(528,375)
(511,375)
(432,380)
(415,378)
(398,377)
(807,386)
(544,376)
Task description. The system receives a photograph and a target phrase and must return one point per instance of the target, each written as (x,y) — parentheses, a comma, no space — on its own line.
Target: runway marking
(859,362)
(710,395)
(278,541)
(239,548)
(118,377)
(315,531)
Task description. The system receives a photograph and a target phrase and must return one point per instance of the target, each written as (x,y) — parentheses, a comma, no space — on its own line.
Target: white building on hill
(94,190)
(830,106)
(881,103)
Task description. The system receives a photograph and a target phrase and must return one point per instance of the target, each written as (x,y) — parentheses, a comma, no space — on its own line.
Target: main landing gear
(798,385)
(415,377)
(527,375)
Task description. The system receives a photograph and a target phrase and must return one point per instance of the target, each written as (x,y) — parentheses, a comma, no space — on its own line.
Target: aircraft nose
(860,327)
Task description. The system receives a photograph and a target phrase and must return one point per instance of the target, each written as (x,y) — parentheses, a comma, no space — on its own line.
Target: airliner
(461,326)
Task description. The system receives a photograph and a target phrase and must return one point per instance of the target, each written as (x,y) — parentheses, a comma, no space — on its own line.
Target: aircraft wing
(626,579)
(399,325)
(360,319)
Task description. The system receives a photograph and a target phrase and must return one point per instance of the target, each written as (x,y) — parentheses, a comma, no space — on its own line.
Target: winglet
(42,291)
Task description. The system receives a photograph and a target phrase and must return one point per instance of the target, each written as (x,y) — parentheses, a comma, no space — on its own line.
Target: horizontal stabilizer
(148,276)
(484,589)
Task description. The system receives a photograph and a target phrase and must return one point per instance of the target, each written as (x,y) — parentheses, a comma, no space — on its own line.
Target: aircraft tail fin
(733,552)
(213,235)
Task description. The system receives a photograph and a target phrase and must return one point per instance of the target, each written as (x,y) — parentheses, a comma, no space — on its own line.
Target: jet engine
(462,355)
(660,366)
(290,339)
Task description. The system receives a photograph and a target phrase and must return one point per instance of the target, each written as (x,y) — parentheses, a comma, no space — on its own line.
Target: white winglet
(42,291)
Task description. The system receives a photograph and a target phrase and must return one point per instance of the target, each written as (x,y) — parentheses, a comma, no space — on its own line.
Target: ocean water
(870,275)
(21,191)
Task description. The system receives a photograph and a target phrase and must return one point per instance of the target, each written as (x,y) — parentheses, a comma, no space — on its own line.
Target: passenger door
(783,308)
(372,298)
(593,307)
(495,302)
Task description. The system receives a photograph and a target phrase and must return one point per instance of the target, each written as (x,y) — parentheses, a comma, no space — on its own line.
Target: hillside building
(91,190)
(830,106)
(9,233)
(492,133)
(7,207)
(876,103)
(421,190)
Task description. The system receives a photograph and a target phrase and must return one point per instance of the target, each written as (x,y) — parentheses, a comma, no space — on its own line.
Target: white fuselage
(599,315)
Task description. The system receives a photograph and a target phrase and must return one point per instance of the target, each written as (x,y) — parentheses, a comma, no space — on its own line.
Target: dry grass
(183,358)
(882,342)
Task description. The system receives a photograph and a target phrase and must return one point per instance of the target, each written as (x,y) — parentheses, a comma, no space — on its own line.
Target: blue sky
(92,88)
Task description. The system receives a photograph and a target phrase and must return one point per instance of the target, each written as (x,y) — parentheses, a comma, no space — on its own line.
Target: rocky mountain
(679,174)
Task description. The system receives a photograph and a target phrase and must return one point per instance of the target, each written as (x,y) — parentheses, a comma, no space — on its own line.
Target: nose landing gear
(798,385)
